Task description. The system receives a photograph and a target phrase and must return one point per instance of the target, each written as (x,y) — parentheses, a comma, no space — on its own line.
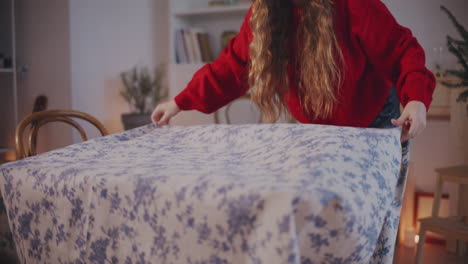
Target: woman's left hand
(413,120)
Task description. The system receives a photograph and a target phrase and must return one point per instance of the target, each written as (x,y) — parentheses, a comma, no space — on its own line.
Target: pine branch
(459,48)
(458,42)
(463,97)
(460,45)
(458,26)
(458,54)
(452,85)
(463,75)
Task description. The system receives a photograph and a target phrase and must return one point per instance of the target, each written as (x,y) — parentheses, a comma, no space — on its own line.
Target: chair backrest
(38,119)
(228,108)
(284,119)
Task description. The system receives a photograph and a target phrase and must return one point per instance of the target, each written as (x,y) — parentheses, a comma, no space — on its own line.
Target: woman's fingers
(414,115)
(410,123)
(401,120)
(164,120)
(404,138)
(163,113)
(395,122)
(156,115)
(405,131)
(412,129)
(405,122)
(417,127)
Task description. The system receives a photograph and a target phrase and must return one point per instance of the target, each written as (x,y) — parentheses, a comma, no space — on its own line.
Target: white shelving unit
(8,78)
(216,10)
(214,20)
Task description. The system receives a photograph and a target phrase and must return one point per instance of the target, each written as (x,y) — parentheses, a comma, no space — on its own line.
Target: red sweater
(377,51)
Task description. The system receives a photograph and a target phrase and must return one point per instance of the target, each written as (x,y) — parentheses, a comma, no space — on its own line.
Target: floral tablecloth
(211,194)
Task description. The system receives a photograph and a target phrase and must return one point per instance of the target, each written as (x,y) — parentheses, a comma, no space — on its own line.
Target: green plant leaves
(141,89)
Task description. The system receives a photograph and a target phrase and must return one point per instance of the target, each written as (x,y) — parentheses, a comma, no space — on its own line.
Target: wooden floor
(433,254)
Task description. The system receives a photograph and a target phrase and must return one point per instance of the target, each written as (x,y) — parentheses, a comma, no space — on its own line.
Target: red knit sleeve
(393,50)
(220,82)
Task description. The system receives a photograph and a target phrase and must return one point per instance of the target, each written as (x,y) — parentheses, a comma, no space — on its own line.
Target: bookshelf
(8,79)
(240,9)
(212,19)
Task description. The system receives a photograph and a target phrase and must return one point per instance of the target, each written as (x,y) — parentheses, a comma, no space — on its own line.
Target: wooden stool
(451,227)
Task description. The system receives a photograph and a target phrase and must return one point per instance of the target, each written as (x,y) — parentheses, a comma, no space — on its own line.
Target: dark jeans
(390,110)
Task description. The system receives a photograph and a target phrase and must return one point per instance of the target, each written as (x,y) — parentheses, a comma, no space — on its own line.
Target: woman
(335,62)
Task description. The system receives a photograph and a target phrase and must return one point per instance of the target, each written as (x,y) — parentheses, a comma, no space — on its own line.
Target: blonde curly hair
(318,64)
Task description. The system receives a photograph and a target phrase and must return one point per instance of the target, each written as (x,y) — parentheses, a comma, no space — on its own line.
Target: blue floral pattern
(211,194)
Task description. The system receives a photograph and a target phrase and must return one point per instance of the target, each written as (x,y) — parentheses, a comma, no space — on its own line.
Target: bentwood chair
(36,120)
(227,119)
(228,108)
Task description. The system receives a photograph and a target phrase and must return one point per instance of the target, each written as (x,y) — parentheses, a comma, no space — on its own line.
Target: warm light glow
(416,239)
(10,156)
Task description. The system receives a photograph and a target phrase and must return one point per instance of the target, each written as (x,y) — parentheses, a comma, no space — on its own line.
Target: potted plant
(142,92)
(459,48)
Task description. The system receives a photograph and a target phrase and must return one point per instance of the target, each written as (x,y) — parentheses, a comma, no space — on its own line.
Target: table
(283,193)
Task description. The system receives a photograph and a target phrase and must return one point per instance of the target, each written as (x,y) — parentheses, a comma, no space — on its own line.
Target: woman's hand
(163,113)
(413,120)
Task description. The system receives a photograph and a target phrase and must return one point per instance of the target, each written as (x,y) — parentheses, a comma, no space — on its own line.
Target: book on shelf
(189,46)
(195,45)
(181,50)
(205,47)
(198,52)
(192,46)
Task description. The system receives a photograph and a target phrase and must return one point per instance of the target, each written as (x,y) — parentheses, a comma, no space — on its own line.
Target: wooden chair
(38,119)
(228,108)
(452,227)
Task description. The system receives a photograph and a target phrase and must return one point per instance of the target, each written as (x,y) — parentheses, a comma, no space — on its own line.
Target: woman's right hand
(163,113)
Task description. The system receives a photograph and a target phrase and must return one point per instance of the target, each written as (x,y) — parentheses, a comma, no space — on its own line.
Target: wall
(161,21)
(108,37)
(75,51)
(430,25)
(444,142)
(96,40)
(43,45)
